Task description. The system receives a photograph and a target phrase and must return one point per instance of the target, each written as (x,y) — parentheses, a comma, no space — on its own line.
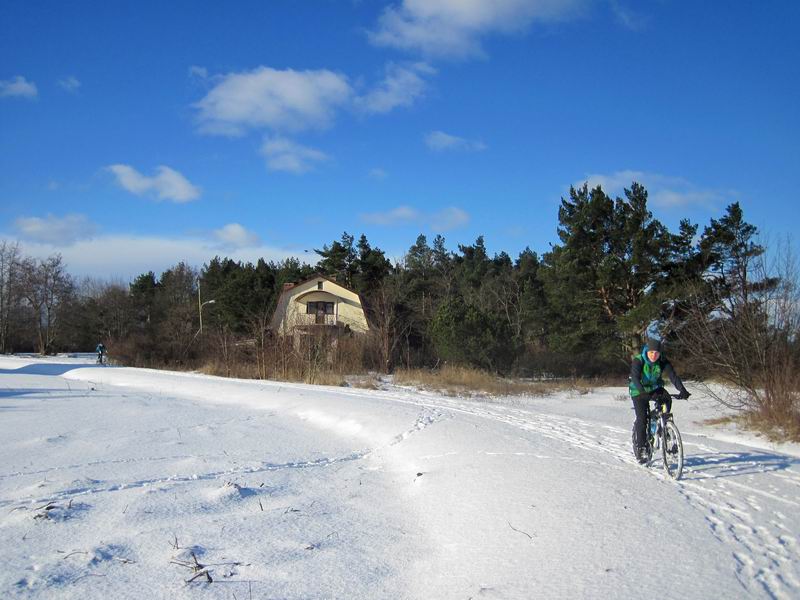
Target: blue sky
(134,135)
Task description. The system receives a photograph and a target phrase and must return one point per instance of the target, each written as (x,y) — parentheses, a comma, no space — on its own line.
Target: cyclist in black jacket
(647,383)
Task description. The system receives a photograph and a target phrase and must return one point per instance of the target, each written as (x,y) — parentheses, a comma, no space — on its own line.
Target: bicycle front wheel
(672,450)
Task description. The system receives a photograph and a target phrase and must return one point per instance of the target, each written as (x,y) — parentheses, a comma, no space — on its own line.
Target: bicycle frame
(670,443)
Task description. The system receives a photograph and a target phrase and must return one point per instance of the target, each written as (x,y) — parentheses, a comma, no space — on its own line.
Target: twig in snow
(199,569)
(182,563)
(88,575)
(75,552)
(318,544)
(261,505)
(200,574)
(519,530)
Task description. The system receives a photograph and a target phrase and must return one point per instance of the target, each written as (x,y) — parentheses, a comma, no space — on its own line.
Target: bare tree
(46,287)
(751,342)
(388,326)
(259,327)
(9,290)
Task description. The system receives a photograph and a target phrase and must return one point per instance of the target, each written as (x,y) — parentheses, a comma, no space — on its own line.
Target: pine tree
(729,249)
(339,260)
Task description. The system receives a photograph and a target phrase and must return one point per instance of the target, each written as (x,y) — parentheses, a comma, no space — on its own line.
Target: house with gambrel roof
(318,305)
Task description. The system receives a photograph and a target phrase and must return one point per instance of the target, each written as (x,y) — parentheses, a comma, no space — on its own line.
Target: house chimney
(287,286)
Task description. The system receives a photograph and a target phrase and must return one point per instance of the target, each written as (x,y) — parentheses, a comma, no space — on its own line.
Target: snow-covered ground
(118,483)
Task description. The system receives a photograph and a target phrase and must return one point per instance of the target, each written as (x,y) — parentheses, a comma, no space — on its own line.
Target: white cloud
(453,28)
(233,235)
(199,72)
(663,190)
(397,216)
(378,173)
(267,98)
(126,256)
(440,141)
(449,218)
(69,84)
(670,198)
(64,230)
(627,17)
(167,184)
(283,154)
(443,220)
(401,86)
(18,87)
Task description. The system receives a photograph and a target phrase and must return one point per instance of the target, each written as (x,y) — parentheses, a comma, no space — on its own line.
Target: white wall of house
(292,308)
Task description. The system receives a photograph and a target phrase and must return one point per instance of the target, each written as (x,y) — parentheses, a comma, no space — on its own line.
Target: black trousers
(641,407)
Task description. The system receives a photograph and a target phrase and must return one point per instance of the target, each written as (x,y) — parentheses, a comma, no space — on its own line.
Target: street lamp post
(200,306)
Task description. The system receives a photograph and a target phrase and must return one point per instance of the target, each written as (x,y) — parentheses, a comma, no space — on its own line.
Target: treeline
(581,308)
(615,275)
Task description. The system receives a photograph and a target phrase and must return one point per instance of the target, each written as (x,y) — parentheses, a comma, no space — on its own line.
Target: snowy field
(127,483)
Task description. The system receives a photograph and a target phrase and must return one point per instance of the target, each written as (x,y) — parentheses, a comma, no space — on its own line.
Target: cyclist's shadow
(733,464)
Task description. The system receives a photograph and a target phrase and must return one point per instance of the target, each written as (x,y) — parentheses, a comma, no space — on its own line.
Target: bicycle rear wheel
(672,450)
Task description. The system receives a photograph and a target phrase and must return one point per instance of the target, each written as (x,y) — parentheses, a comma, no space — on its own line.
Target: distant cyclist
(101,353)
(646,383)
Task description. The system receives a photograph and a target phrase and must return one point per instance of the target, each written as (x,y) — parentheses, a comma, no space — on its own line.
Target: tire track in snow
(75,492)
(426,418)
(765,553)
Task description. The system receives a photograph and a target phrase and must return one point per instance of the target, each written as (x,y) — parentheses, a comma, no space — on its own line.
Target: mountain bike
(663,434)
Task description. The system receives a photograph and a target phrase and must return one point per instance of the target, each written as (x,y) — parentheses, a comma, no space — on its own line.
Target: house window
(319,308)
(319,285)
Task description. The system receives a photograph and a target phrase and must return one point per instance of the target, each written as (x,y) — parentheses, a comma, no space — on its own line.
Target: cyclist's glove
(684,395)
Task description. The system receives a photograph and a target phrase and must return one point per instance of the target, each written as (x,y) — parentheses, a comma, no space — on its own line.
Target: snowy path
(293,491)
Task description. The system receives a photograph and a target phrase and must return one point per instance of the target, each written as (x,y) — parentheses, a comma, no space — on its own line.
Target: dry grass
(787,430)
(448,380)
(460,381)
(247,370)
(782,431)
(367,382)
(721,420)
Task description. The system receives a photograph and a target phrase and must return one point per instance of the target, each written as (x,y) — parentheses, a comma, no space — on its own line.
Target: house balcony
(317,324)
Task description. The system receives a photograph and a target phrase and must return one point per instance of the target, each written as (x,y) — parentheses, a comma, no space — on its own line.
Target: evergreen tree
(371,268)
(602,282)
(729,249)
(465,335)
(339,260)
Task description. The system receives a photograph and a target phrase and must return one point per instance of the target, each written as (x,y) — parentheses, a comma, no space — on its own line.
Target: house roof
(320,276)
(326,278)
